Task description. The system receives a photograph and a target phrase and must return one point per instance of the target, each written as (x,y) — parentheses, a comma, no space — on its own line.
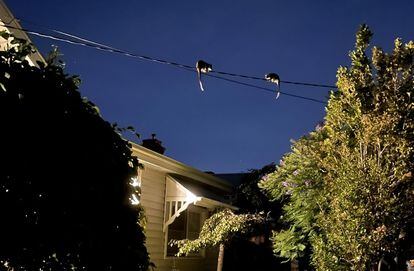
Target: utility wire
(213,71)
(98,46)
(282,81)
(259,87)
(63,33)
(266,89)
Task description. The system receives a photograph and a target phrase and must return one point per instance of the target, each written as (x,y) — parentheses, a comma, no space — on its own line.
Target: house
(177,199)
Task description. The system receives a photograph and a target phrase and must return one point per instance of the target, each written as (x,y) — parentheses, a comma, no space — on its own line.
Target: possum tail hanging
(199,80)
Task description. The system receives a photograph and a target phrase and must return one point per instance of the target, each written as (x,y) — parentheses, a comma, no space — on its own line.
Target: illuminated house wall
(173,195)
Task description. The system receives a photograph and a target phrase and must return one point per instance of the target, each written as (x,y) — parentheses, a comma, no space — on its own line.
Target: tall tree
(65,175)
(349,183)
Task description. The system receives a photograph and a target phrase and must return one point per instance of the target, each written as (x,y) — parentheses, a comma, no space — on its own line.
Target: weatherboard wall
(154,175)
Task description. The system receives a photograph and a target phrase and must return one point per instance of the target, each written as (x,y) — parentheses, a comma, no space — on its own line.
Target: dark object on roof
(153,144)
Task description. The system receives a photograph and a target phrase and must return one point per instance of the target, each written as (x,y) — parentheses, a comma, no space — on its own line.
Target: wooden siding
(153,200)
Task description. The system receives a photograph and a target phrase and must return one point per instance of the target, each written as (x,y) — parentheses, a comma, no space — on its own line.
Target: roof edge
(147,156)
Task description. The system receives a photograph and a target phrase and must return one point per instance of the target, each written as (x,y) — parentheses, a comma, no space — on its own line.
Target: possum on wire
(274,78)
(202,67)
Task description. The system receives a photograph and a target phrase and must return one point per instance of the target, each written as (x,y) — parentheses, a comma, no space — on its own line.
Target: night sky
(228,128)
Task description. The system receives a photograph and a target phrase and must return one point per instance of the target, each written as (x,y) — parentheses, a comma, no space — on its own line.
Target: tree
(218,230)
(67,178)
(349,184)
(250,198)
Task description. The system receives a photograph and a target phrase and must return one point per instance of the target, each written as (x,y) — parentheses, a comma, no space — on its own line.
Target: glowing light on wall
(134,199)
(135,181)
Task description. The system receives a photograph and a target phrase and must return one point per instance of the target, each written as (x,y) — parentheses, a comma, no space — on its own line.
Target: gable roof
(170,166)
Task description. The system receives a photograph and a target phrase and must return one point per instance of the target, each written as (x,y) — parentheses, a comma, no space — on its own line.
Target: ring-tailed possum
(202,67)
(274,78)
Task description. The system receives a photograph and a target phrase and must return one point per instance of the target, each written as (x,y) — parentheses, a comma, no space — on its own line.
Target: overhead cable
(213,71)
(75,40)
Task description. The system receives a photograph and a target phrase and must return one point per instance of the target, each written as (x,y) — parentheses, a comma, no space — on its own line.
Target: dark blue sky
(228,128)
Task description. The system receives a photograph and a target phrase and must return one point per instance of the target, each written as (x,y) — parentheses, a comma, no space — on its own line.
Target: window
(185,226)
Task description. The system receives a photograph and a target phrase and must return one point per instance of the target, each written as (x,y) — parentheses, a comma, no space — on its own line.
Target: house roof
(170,166)
(182,191)
(201,189)
(185,185)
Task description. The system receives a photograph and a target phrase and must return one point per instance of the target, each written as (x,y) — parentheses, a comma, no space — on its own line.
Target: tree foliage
(64,175)
(220,228)
(250,199)
(348,185)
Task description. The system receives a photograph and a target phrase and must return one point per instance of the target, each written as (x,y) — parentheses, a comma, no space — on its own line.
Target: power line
(260,88)
(213,71)
(282,81)
(267,89)
(102,47)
